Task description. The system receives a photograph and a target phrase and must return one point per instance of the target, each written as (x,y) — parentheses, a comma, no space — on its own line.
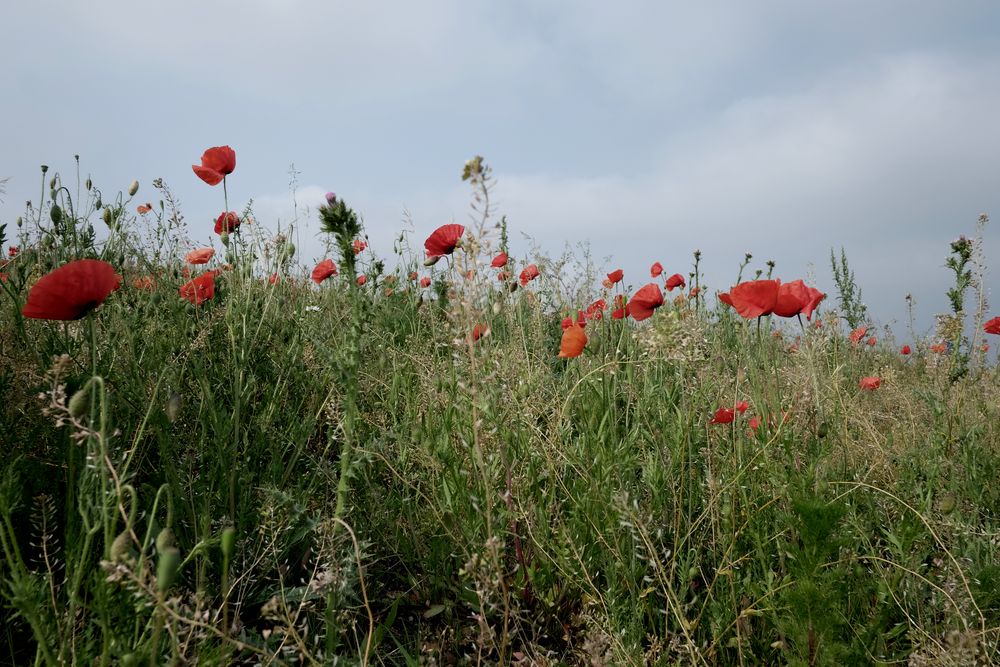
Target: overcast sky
(649,129)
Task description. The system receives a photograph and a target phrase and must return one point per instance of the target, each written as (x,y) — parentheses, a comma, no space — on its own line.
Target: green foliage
(848,293)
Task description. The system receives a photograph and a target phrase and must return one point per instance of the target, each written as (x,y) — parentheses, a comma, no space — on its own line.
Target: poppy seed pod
(228,542)
(166,568)
(45,168)
(133,188)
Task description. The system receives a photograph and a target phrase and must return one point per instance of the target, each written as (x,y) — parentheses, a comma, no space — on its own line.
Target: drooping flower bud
(228,542)
(166,568)
(165,540)
(431,261)
(132,189)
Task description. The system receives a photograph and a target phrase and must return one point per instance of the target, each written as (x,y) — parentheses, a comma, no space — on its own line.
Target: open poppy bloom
(425,282)
(993,326)
(362,279)
(71,291)
(694,292)
(574,339)
(359,246)
(443,240)
(199,256)
(796,297)
(528,274)
(499,261)
(872,341)
(143,209)
(723,416)
(870,383)
(644,302)
(905,350)
(755,298)
(413,276)
(200,289)
(227,222)
(595,311)
(676,280)
(655,270)
(754,423)
(939,348)
(143,283)
(13,250)
(479,331)
(216,164)
(274,278)
(856,335)
(616,276)
(741,406)
(323,270)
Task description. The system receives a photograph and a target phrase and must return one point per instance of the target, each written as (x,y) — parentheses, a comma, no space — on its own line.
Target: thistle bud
(165,540)
(132,189)
(166,568)
(228,542)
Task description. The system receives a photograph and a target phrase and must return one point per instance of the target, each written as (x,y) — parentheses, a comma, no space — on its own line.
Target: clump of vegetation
(465,457)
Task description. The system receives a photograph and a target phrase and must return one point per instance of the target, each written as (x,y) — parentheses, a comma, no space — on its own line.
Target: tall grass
(293,474)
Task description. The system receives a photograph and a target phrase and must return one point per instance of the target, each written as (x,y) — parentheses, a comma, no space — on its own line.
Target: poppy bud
(228,542)
(230,258)
(225,238)
(513,287)
(88,184)
(20,221)
(120,547)
(106,216)
(79,404)
(55,213)
(166,568)
(165,540)
(431,261)
(129,660)
(132,189)
(822,430)
(289,250)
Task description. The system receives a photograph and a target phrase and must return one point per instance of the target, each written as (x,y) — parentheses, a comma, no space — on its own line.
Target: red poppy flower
(574,339)
(143,209)
(144,283)
(413,275)
(904,350)
(273,278)
(872,341)
(655,270)
(741,406)
(199,256)
(479,331)
(754,423)
(425,282)
(939,348)
(796,297)
(216,164)
(528,274)
(200,289)
(856,335)
(752,299)
(13,250)
(606,283)
(443,240)
(71,291)
(644,302)
(723,416)
(694,292)
(502,276)
(993,326)
(227,222)
(676,280)
(581,320)
(616,276)
(323,270)
(362,279)
(359,246)
(870,383)
(499,261)
(985,347)
(618,314)
(595,311)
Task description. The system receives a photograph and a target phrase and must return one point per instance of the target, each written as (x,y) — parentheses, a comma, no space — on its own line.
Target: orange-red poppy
(143,209)
(752,299)
(413,275)
(499,261)
(144,283)
(655,270)
(528,274)
(479,331)
(72,290)
(581,320)
(870,383)
(200,289)
(443,240)
(939,348)
(425,282)
(904,350)
(856,335)
(359,246)
(362,279)
(323,270)
(227,222)
(676,280)
(574,339)
(273,279)
(797,297)
(616,276)
(644,302)
(216,163)
(199,256)
(13,250)
(872,340)
(723,416)
(992,326)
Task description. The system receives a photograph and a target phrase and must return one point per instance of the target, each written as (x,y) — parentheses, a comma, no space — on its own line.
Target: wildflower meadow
(443,453)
